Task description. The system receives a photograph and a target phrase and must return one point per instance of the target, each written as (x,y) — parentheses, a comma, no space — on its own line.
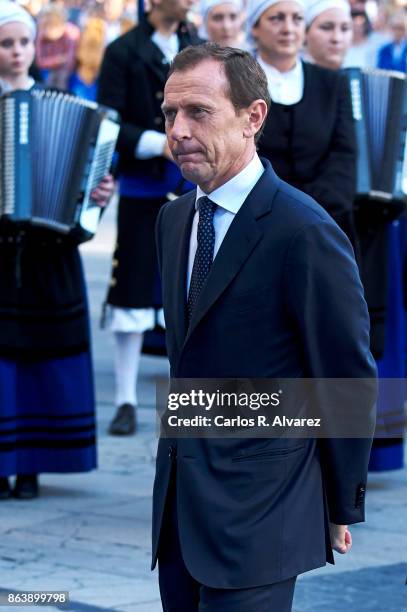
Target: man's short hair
(246,78)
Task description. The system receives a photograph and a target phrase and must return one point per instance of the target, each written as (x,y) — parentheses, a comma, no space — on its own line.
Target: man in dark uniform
(132,81)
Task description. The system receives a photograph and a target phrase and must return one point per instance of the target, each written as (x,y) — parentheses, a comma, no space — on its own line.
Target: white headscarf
(10,12)
(256,8)
(206,6)
(316,7)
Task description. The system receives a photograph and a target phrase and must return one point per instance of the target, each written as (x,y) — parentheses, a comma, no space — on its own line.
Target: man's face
(207,137)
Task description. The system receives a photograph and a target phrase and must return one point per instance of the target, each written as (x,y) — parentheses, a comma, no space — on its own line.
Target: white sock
(127,360)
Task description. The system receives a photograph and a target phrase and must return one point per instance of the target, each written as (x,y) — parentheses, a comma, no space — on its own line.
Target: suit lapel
(177,269)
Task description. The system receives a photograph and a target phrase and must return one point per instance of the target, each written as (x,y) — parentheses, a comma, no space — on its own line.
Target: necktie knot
(206,208)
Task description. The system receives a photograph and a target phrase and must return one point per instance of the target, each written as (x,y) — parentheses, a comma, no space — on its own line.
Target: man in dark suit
(132,78)
(258,282)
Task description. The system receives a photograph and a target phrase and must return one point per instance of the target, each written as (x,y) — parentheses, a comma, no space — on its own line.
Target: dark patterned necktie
(204,252)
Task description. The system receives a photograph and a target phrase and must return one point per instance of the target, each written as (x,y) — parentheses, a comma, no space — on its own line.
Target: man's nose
(180,128)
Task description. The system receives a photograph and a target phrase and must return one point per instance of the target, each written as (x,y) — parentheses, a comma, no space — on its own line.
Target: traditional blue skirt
(47,419)
(387,452)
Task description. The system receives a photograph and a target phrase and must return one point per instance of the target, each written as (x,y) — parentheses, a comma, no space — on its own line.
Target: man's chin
(191,173)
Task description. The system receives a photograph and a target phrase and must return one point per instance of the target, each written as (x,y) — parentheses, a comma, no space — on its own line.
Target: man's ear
(255,115)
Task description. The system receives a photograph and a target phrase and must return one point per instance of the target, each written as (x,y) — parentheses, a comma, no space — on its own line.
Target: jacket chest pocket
(268,454)
(249,300)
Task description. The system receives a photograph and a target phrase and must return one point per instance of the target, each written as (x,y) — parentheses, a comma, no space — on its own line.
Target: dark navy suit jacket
(283,299)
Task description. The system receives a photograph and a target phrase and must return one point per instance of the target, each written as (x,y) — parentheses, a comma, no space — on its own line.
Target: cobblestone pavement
(89,534)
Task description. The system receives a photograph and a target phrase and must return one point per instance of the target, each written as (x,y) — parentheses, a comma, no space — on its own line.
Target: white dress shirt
(284,87)
(229,199)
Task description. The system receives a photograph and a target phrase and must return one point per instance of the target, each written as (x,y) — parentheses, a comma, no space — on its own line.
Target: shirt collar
(169,46)
(232,194)
(294,73)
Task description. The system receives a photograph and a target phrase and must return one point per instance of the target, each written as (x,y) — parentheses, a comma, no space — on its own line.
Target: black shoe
(5,490)
(124,422)
(26,486)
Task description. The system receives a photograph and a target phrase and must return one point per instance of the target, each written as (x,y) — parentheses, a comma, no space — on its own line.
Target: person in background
(99,29)
(363,52)
(309,133)
(47,409)
(132,81)
(56,46)
(89,56)
(34,7)
(75,10)
(328,32)
(222,22)
(382,240)
(117,20)
(393,56)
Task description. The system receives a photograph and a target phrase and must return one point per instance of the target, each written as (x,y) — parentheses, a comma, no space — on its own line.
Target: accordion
(379,105)
(55,148)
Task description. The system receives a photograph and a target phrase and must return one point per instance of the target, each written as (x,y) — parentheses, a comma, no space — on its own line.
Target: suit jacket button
(158,120)
(159,95)
(172,451)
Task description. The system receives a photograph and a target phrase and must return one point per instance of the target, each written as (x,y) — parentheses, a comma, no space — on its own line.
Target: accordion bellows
(379,104)
(55,150)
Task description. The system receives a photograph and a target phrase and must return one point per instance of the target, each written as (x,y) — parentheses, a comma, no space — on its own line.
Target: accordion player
(379,104)
(55,150)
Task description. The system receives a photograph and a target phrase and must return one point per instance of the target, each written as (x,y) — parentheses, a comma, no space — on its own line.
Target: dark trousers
(180,592)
